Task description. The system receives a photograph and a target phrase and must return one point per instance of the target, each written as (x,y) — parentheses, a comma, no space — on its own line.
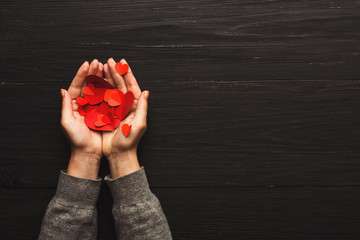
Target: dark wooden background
(253,121)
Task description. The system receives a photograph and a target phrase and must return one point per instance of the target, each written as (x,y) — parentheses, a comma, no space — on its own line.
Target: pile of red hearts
(103,106)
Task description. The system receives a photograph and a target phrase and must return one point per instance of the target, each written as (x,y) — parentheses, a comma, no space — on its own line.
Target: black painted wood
(253,121)
(213,134)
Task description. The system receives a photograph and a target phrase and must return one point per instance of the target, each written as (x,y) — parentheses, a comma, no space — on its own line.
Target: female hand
(118,149)
(86,144)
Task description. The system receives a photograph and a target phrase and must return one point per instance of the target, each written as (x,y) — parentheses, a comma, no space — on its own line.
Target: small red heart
(100,92)
(108,118)
(116,99)
(104,108)
(81,101)
(108,94)
(116,122)
(89,90)
(81,111)
(93,100)
(121,68)
(126,129)
(126,105)
(99,122)
(89,108)
(90,120)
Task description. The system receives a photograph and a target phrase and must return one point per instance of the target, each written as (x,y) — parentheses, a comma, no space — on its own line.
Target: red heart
(90,120)
(116,122)
(89,90)
(121,68)
(122,110)
(126,129)
(100,92)
(93,100)
(98,82)
(81,111)
(116,99)
(99,114)
(104,108)
(99,122)
(108,118)
(108,94)
(89,109)
(81,101)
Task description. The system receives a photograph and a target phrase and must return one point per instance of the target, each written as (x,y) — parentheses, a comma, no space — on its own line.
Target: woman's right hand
(121,151)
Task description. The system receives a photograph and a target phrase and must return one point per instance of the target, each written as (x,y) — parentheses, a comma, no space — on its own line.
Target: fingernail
(62,92)
(146,94)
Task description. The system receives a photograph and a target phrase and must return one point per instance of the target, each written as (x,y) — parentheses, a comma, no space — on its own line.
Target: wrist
(84,165)
(122,164)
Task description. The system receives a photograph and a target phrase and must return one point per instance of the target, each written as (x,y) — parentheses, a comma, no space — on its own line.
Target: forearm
(84,165)
(71,214)
(137,211)
(122,164)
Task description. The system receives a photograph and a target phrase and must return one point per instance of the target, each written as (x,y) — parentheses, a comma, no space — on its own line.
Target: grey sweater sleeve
(71,214)
(136,210)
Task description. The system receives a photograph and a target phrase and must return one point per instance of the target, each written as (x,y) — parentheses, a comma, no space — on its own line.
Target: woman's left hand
(86,144)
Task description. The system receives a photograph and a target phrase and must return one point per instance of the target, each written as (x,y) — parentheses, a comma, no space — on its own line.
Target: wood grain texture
(212,40)
(214,134)
(253,121)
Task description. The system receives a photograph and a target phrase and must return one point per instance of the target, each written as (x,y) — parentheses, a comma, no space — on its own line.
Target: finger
(67,110)
(76,84)
(141,110)
(130,81)
(94,66)
(108,75)
(100,70)
(116,77)
(75,107)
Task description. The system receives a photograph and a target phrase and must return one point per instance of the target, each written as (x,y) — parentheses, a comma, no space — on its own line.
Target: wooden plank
(222,133)
(201,40)
(212,213)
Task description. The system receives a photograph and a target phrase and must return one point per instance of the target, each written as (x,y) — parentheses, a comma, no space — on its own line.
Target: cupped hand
(118,149)
(86,144)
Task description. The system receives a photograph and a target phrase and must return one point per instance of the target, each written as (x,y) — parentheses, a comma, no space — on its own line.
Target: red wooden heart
(89,90)
(82,101)
(126,129)
(121,68)
(122,110)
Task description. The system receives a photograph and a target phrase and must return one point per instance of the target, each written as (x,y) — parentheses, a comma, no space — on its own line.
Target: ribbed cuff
(130,188)
(77,192)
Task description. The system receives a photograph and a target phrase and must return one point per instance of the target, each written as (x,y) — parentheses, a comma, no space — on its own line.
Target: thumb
(141,109)
(67,110)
